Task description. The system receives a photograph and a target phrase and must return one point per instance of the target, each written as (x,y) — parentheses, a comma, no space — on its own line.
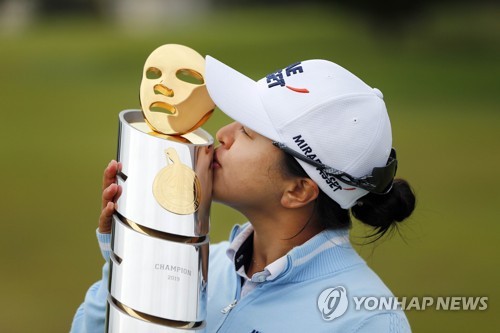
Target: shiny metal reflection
(158,277)
(143,157)
(121,321)
(160,244)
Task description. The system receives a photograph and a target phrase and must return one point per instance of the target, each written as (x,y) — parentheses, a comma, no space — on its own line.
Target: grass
(65,80)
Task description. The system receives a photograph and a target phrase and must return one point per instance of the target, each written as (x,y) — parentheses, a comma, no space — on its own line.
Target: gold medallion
(176,187)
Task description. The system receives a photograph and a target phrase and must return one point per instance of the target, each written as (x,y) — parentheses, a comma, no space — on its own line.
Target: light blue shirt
(292,301)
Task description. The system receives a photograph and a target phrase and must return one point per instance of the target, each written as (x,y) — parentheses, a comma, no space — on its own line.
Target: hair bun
(383,211)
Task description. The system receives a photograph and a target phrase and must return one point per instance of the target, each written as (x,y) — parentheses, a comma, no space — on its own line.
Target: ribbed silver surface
(159,259)
(159,277)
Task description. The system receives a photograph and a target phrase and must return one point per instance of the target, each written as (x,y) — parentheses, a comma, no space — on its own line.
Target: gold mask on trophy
(174,97)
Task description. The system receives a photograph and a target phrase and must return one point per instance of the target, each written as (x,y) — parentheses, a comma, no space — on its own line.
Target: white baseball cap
(335,125)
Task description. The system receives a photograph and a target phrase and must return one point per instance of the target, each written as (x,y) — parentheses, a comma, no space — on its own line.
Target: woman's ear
(299,193)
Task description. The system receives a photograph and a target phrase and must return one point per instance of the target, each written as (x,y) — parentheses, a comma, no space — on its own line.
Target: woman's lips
(215,162)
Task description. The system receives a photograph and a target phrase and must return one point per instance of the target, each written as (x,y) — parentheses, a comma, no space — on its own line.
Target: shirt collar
(329,252)
(239,252)
(240,247)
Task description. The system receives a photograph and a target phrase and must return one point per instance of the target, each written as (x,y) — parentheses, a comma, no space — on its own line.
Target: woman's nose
(225,135)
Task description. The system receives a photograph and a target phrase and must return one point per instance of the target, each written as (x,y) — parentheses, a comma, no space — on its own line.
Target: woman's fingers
(109,176)
(109,196)
(118,193)
(110,193)
(105,218)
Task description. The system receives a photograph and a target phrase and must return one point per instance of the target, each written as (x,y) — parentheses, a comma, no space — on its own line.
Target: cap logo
(299,90)
(278,79)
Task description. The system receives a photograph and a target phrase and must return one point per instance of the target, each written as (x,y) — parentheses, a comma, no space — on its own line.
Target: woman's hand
(110,193)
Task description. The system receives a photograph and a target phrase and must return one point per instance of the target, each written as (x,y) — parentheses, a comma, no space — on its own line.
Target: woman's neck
(275,236)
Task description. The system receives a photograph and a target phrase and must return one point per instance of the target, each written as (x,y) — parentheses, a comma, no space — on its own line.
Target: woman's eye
(244,131)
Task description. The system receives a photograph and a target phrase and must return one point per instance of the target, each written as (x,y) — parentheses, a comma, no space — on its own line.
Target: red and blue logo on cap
(277,79)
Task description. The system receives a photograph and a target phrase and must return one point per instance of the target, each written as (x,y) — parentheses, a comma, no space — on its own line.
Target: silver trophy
(159,257)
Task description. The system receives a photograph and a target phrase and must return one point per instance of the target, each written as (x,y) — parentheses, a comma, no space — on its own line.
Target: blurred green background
(64,78)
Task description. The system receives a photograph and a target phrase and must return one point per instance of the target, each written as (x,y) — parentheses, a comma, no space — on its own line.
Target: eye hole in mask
(153,73)
(190,76)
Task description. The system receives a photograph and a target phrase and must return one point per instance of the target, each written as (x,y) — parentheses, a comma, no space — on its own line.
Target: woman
(311,145)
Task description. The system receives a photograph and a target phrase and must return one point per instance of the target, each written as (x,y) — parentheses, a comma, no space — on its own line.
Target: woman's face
(247,169)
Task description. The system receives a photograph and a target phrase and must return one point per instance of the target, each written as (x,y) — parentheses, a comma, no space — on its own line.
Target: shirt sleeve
(389,322)
(90,317)
(104,244)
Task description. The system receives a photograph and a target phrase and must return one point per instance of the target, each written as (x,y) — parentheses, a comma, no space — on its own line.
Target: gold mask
(174,97)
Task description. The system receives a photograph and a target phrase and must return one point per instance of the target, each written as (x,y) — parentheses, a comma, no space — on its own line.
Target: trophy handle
(172,156)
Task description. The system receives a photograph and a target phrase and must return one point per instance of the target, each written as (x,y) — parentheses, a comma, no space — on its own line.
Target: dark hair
(382,212)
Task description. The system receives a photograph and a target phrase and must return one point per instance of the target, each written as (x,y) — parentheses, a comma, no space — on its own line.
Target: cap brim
(238,96)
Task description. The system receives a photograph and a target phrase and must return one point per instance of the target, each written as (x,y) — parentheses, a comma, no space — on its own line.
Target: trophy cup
(159,244)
